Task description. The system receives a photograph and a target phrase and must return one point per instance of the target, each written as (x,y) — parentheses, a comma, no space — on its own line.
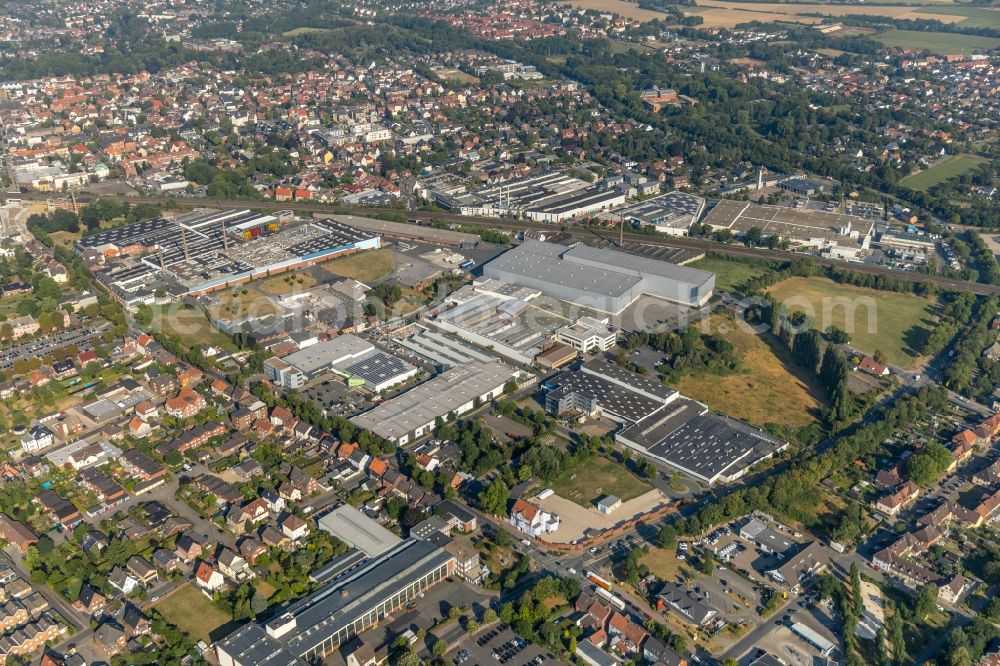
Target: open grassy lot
(287,283)
(895,324)
(365,266)
(664,564)
(976,17)
(585,483)
(457,76)
(193,613)
(770,389)
(942,43)
(189,325)
(947,168)
(728,274)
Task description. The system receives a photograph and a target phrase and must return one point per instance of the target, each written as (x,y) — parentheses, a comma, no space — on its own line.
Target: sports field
(941,43)
(770,388)
(895,324)
(949,167)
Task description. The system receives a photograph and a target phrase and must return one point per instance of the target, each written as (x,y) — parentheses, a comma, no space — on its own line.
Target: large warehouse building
(660,423)
(351,603)
(411,415)
(605,280)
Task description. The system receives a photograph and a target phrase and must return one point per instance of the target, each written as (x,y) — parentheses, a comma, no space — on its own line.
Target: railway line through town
(677,242)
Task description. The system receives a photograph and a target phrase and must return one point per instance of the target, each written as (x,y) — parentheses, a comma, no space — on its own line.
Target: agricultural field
(723,14)
(365,267)
(620,7)
(770,389)
(975,17)
(941,43)
(457,76)
(193,613)
(949,167)
(728,274)
(585,483)
(895,324)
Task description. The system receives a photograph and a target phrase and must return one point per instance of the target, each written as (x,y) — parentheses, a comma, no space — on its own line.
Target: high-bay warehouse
(605,280)
(198,252)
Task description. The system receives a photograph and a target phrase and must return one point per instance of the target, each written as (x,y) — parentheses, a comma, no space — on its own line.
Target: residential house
(122,581)
(532,520)
(895,501)
(208,577)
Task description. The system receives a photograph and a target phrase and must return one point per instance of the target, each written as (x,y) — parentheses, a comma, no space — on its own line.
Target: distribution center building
(605,280)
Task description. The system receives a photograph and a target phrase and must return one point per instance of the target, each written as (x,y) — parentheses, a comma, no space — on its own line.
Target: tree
(494,498)
(708,564)
(859,602)
(489,616)
(258,603)
(667,537)
(925,603)
(439,648)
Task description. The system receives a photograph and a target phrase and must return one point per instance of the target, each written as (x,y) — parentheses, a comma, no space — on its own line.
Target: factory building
(409,416)
(604,280)
(660,423)
(351,603)
(354,359)
(672,213)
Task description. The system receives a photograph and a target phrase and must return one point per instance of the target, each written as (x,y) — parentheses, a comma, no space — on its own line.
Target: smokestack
(161,257)
(621,229)
(225,239)
(184,241)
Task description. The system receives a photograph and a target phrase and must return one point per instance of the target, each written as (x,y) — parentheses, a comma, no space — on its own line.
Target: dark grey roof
(250,644)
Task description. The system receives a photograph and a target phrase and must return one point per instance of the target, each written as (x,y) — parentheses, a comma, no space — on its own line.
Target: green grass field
(941,43)
(305,30)
(978,17)
(729,275)
(189,325)
(950,167)
(193,613)
(365,267)
(895,324)
(584,483)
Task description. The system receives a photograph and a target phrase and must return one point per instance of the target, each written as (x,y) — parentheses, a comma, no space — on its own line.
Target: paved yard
(576,520)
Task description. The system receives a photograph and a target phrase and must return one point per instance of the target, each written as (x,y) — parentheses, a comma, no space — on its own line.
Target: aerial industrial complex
(195,253)
(660,423)
(358,361)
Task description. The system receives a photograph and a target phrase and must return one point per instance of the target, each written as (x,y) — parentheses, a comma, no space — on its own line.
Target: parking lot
(499,645)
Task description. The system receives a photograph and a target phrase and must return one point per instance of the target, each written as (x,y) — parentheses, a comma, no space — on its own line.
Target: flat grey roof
(612,398)
(640,266)
(438,397)
(327,353)
(544,261)
(355,528)
(427,233)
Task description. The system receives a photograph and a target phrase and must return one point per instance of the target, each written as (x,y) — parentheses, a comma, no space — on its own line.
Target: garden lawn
(365,266)
(944,170)
(893,323)
(192,612)
(769,389)
(585,482)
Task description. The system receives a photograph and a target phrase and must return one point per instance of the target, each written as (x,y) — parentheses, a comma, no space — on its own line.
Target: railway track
(522,225)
